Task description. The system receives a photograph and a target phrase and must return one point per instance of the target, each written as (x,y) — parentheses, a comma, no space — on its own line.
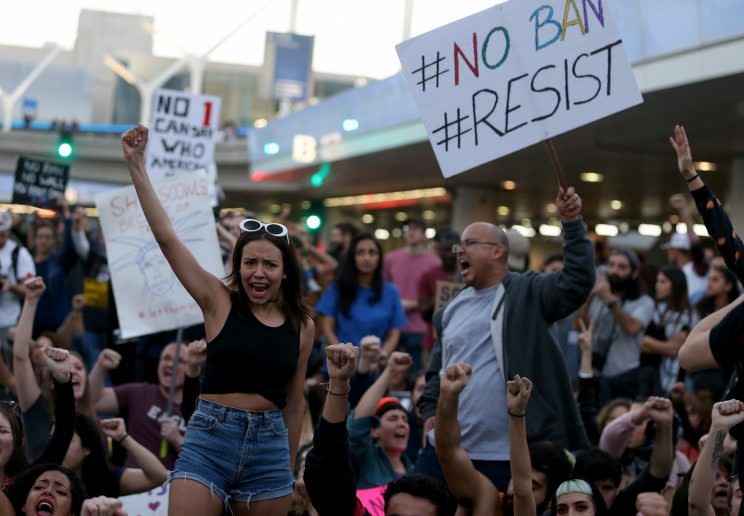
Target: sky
(352,37)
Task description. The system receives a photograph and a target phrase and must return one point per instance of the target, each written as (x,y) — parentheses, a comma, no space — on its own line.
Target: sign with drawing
(149,297)
(517,73)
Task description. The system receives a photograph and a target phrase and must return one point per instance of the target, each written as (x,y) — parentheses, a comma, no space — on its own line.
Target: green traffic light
(313,222)
(64,150)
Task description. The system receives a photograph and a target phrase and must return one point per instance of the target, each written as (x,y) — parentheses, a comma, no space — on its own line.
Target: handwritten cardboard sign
(182,133)
(39,183)
(149,297)
(514,74)
(446,290)
(151,503)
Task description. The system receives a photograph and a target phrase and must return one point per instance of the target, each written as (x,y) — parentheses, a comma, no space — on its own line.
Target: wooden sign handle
(555,162)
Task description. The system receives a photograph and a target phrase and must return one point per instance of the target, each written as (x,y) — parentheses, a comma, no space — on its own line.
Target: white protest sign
(182,133)
(512,75)
(151,503)
(149,297)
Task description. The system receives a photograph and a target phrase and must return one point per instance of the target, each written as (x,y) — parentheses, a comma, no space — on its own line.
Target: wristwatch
(612,303)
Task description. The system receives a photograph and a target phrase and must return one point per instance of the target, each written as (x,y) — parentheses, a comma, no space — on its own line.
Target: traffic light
(314,216)
(64,145)
(320,175)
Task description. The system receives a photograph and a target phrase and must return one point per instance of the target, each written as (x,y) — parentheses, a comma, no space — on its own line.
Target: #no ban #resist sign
(512,75)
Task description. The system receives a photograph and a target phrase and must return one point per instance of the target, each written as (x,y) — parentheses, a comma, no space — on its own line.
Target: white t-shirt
(695,284)
(10,306)
(623,350)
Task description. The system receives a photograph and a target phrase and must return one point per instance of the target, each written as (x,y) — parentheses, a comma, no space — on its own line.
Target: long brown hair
(17,461)
(290,301)
(83,405)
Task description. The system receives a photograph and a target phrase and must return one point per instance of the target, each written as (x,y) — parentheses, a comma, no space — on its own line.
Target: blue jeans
(240,455)
(497,471)
(411,343)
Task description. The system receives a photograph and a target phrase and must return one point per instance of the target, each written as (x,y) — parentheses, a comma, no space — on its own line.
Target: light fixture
(681,228)
(615,204)
(366,199)
(509,184)
(591,177)
(551,208)
(624,227)
(667,227)
(527,223)
(524,230)
(430,232)
(305,205)
(271,148)
(397,232)
(705,166)
(605,229)
(382,234)
(350,124)
(429,215)
(503,211)
(700,230)
(368,218)
(650,230)
(400,216)
(550,230)
(260,122)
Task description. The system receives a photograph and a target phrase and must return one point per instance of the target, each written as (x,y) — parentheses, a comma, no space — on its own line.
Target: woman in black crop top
(240,444)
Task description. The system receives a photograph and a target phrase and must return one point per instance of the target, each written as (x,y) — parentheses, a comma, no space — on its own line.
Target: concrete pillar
(473,204)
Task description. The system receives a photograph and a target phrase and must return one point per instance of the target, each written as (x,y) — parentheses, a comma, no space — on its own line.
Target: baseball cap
(415,220)
(387,404)
(519,249)
(678,241)
(6,220)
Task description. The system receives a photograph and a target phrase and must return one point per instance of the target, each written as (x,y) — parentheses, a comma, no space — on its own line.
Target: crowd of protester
(323,372)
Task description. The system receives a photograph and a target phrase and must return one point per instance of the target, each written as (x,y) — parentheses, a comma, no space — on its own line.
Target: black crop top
(249,357)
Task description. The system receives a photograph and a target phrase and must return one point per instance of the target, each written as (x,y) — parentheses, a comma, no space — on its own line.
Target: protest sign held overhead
(39,183)
(512,75)
(182,133)
(149,297)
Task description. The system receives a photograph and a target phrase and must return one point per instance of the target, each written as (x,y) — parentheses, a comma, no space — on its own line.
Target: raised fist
(454,378)
(727,414)
(133,143)
(517,395)
(342,361)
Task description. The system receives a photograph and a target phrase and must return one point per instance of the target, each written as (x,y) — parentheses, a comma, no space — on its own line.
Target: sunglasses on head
(272,228)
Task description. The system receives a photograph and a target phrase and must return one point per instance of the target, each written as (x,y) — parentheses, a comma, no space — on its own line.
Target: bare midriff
(241,401)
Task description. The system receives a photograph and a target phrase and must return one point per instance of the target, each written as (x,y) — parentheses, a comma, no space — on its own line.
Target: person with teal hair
(575,497)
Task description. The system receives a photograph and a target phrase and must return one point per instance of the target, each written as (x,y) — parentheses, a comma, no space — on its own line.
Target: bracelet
(122,439)
(512,414)
(329,391)
(693,177)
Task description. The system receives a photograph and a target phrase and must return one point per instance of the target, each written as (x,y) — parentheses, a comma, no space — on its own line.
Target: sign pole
(172,390)
(555,162)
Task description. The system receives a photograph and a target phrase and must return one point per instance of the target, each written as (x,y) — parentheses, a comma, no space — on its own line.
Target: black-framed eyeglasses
(272,228)
(470,243)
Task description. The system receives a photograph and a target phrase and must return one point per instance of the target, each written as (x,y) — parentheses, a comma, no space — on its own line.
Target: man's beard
(619,284)
(336,250)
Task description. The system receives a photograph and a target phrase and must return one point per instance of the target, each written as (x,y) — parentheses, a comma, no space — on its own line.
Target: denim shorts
(240,455)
